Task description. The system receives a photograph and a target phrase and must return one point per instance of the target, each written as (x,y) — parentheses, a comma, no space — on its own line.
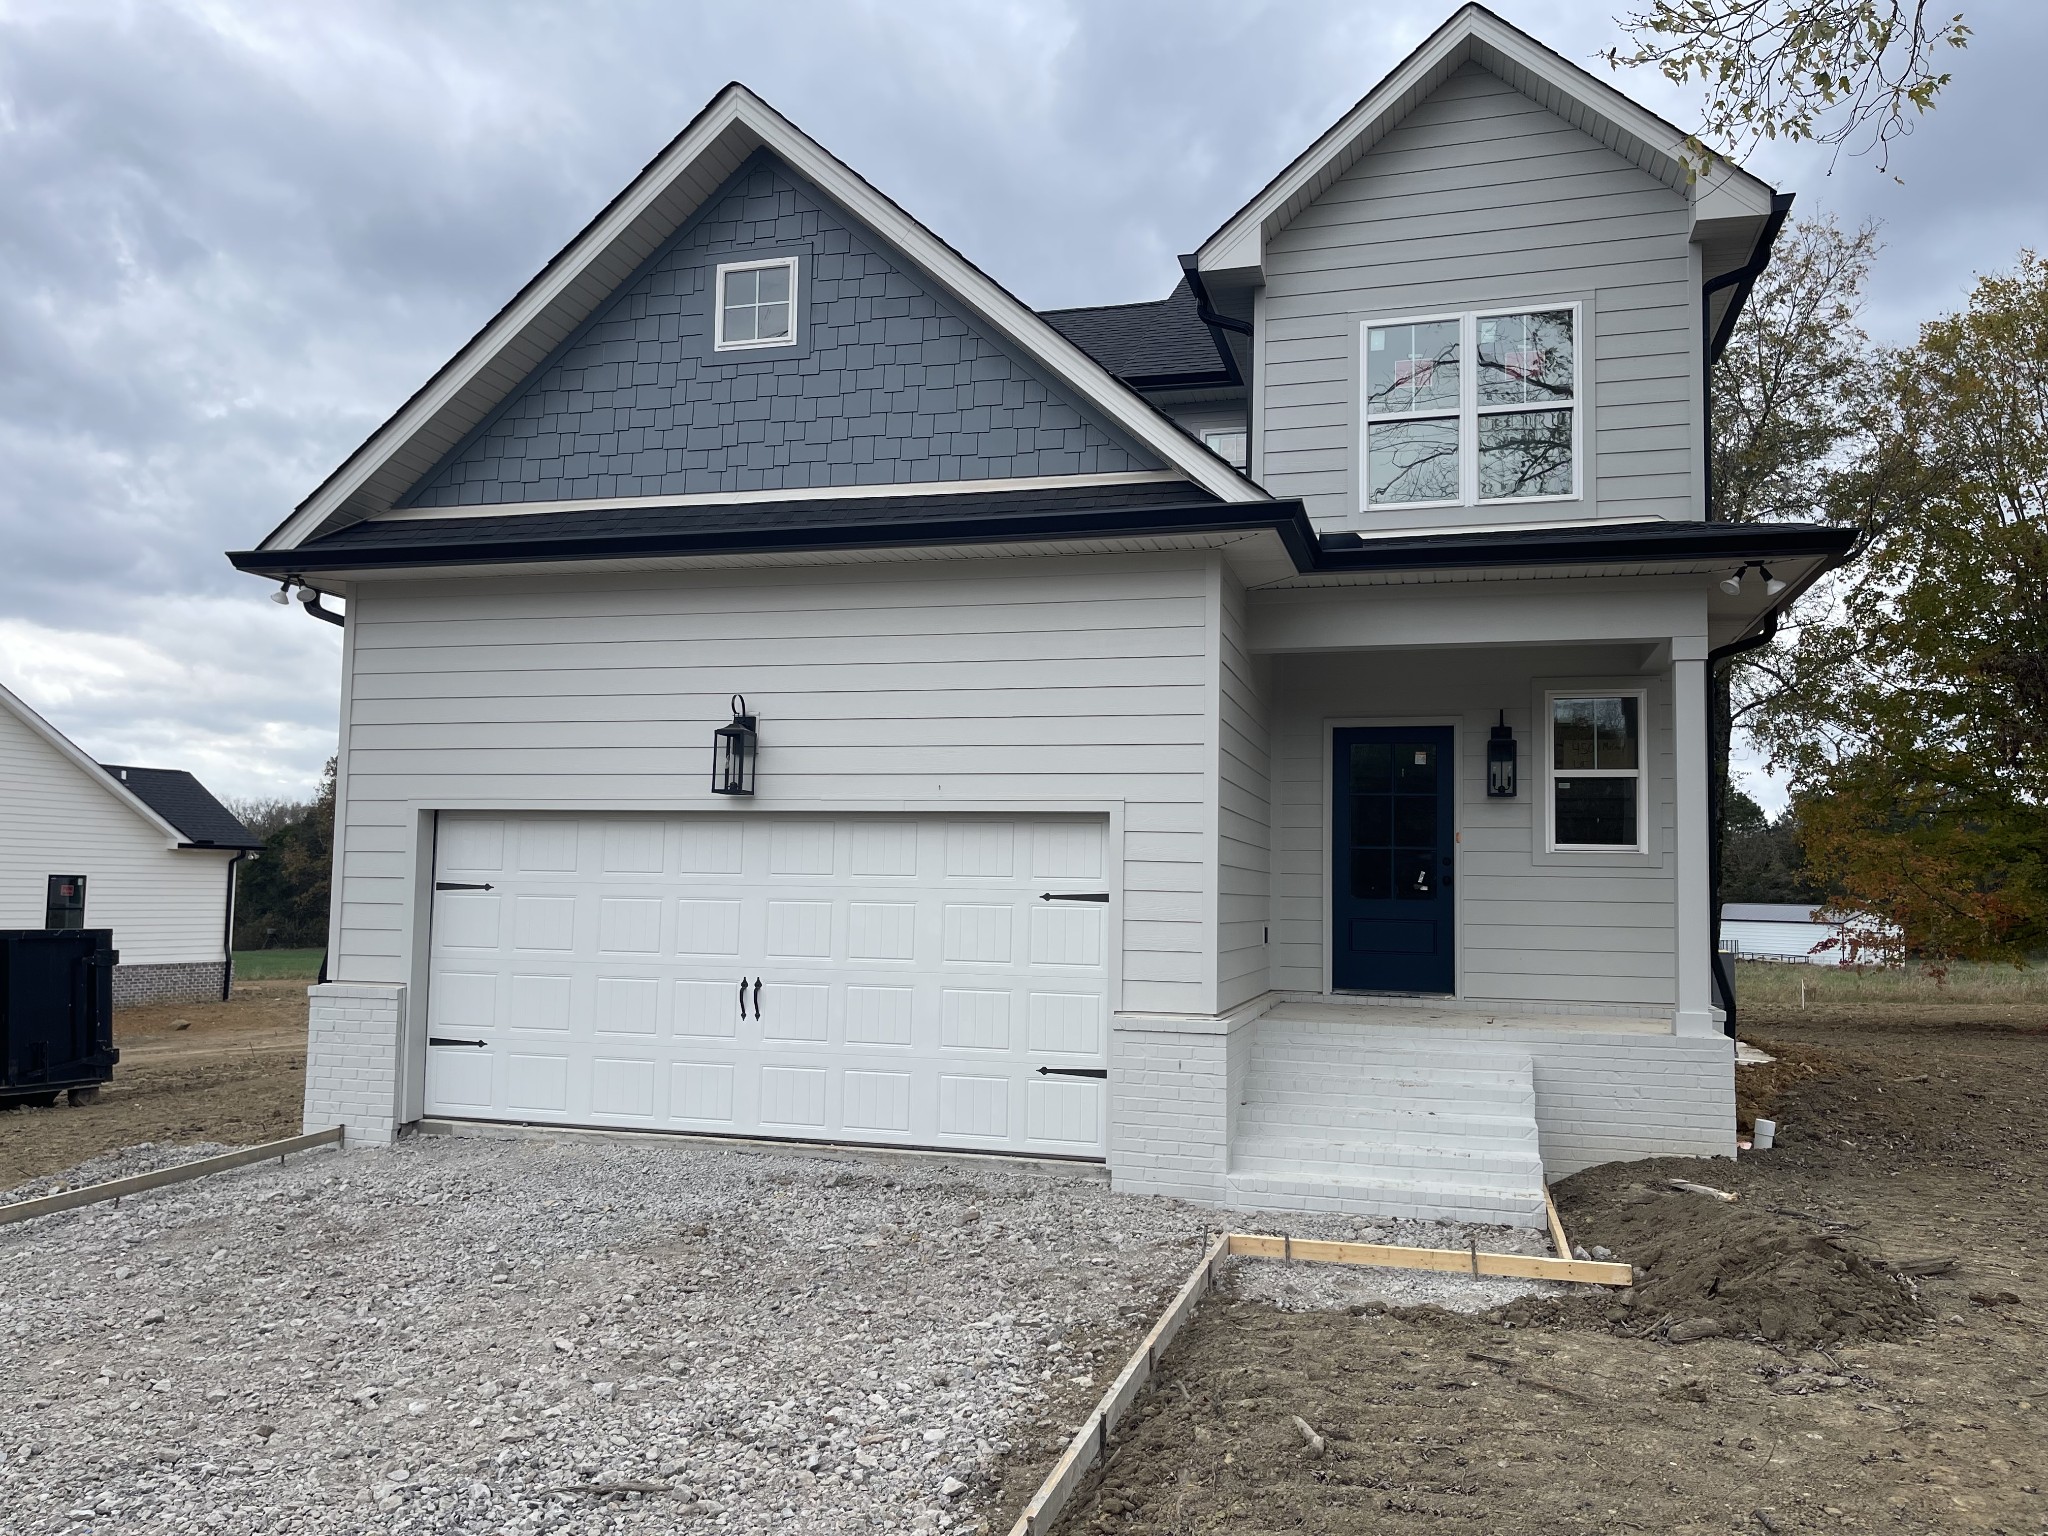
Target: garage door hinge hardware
(444,1040)
(1083,896)
(1073,1072)
(460,885)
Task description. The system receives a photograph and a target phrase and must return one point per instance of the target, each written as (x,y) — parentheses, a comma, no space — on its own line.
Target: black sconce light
(1500,761)
(733,751)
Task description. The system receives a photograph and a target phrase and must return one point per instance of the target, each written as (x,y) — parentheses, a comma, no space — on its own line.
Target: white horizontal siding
(1528,930)
(1025,683)
(1479,197)
(166,907)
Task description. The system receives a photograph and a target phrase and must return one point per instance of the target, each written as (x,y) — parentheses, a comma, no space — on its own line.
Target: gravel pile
(516,1336)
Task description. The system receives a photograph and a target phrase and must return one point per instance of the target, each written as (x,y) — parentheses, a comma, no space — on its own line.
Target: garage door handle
(1073,1071)
(444,1040)
(757,997)
(743,997)
(1086,896)
(460,885)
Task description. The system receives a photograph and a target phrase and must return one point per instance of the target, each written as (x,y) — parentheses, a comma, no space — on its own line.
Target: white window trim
(719,343)
(1469,410)
(1640,773)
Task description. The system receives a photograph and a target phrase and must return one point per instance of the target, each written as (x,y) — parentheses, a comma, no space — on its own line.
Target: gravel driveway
(510,1336)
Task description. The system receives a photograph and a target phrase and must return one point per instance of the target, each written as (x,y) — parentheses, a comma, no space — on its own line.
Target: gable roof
(69,750)
(630,229)
(1150,345)
(1724,194)
(186,804)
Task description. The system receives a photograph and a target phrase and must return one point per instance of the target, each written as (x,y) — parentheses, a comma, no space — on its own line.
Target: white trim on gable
(1478,36)
(577,281)
(863,492)
(85,765)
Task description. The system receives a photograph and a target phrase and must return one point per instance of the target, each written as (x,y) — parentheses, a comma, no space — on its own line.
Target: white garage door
(884,979)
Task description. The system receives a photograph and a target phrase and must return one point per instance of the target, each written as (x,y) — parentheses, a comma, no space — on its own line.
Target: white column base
(353,1036)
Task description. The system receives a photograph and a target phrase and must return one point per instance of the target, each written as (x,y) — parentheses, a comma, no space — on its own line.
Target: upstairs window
(1465,409)
(1596,771)
(1228,446)
(756,304)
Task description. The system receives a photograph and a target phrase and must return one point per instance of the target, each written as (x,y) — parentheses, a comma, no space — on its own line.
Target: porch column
(1689,862)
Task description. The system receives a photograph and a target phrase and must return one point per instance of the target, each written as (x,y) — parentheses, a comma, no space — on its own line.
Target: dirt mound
(1757,1272)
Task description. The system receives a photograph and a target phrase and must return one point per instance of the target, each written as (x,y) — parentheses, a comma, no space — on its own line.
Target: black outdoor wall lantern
(1500,761)
(733,751)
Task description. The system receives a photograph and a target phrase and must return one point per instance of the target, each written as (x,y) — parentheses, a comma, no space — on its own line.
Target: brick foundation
(193,982)
(353,1037)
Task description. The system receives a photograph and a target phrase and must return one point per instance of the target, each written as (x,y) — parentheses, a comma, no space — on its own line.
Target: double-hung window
(1471,408)
(756,304)
(1596,771)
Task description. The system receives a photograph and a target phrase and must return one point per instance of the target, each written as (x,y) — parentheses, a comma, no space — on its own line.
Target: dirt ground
(235,1073)
(1847,1388)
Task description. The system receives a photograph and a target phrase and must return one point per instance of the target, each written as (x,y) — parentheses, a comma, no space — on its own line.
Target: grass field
(277,964)
(1763,983)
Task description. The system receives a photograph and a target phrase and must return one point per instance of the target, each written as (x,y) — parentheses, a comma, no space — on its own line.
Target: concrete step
(1371,1123)
(1386,1198)
(1394,1121)
(1471,1162)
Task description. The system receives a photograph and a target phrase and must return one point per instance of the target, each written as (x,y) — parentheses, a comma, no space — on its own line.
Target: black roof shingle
(1156,343)
(186,804)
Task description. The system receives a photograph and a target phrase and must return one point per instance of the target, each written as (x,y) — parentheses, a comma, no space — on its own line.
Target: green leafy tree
(1915,722)
(1851,74)
(1761,857)
(281,896)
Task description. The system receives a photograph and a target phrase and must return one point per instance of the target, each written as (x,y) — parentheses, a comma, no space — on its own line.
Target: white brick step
(1387,1120)
(1480,1065)
(1393,1199)
(1460,1163)
(1278,1080)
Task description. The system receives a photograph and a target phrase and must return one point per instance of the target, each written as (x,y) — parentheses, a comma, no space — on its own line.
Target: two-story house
(1257,738)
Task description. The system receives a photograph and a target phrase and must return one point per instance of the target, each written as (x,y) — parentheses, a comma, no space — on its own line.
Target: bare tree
(1851,74)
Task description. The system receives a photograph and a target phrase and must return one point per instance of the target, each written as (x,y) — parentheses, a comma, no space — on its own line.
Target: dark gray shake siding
(886,383)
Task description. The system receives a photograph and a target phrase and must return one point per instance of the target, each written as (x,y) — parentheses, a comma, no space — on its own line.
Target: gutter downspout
(312,606)
(1217,323)
(227,941)
(1717,795)
(1742,279)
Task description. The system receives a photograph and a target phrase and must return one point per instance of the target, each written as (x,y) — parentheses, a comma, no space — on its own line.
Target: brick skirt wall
(187,982)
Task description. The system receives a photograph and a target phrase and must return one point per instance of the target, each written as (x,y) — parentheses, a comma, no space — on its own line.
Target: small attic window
(756,304)
(1229,446)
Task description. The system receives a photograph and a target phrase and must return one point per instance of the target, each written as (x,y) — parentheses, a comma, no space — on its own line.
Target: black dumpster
(56,1012)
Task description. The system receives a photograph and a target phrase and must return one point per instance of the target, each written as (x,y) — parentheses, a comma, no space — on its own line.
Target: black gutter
(1217,323)
(1742,280)
(1286,518)
(1625,544)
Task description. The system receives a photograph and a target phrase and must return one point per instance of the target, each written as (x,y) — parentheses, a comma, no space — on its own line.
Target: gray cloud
(238,235)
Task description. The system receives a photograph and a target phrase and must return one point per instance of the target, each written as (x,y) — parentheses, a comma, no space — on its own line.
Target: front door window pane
(1412,369)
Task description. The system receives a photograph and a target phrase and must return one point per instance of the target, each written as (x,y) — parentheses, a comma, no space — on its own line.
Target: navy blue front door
(1391,906)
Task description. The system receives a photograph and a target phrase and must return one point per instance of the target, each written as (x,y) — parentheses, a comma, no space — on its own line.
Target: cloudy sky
(236,235)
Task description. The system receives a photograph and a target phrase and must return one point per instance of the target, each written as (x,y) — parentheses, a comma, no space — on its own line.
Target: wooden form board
(135,1184)
(1449,1261)
(1558,1240)
(1092,1438)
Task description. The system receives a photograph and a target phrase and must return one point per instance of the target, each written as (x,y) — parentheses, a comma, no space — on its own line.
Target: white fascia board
(70,750)
(739,110)
(1472,33)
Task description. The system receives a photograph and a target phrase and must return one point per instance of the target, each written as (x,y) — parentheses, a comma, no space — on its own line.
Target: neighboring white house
(1132,686)
(1776,931)
(146,852)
